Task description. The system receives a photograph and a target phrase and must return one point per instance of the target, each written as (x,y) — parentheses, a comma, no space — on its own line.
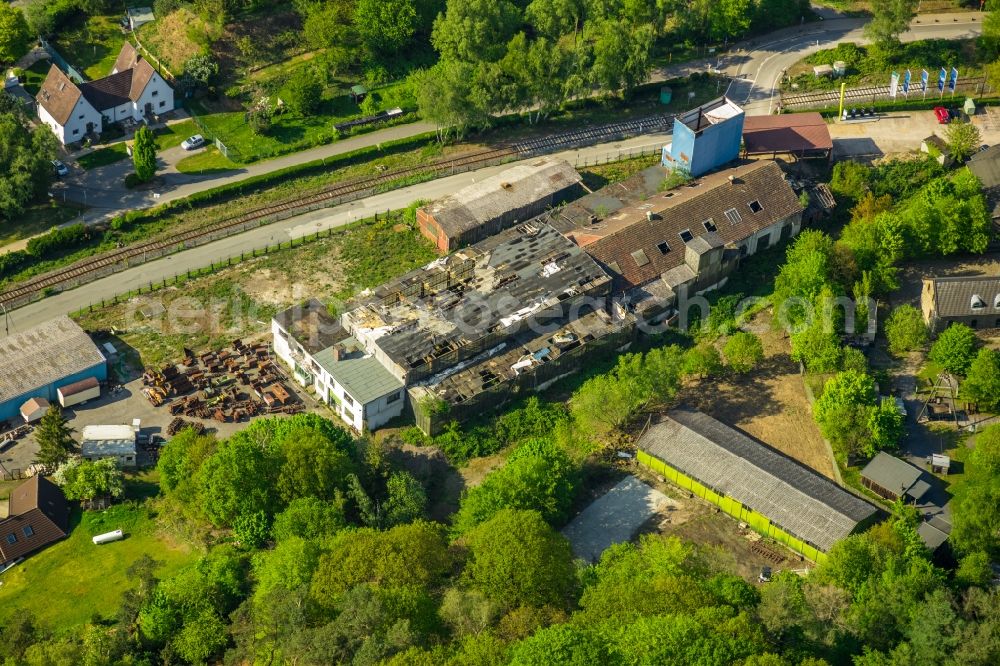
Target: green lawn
(103,156)
(172,135)
(290,131)
(35,220)
(35,76)
(93,46)
(209,160)
(83,579)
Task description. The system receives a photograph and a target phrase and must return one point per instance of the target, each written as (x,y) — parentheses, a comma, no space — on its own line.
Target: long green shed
(775,495)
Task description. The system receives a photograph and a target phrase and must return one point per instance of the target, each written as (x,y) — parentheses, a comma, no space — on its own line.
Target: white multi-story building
(133,91)
(324,356)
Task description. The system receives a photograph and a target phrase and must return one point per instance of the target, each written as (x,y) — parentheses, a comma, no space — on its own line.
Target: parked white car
(60,168)
(192,142)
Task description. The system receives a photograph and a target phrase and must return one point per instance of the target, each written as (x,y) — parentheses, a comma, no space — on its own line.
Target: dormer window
(977,302)
(686,235)
(755,206)
(996,301)
(663,247)
(709,225)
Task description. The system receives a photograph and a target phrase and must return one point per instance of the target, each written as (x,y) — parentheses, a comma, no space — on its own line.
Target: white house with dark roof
(132,91)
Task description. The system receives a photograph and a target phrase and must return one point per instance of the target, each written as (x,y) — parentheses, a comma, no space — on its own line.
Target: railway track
(104,264)
(867,94)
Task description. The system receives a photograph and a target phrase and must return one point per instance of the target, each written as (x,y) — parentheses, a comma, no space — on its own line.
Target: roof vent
(649,216)
(977,302)
(505,185)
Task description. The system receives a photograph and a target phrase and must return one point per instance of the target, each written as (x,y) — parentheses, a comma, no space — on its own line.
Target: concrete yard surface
(615,517)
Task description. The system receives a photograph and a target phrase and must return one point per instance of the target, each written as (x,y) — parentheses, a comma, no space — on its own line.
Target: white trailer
(108,537)
(79,392)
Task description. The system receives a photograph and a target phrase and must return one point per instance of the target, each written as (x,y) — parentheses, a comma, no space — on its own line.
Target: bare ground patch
(770,403)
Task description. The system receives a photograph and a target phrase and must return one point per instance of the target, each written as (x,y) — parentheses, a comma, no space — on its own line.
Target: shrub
(57,240)
(905,330)
(132,180)
(955,348)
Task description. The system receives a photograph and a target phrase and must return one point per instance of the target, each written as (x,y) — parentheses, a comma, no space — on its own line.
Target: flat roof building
(970,300)
(323,355)
(36,362)
(496,203)
(110,441)
(777,496)
(803,135)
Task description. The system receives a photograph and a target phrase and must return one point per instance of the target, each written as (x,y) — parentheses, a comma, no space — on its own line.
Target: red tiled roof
(786,133)
(39,515)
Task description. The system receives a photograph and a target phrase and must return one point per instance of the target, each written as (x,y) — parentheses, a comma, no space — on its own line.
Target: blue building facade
(41,360)
(705,138)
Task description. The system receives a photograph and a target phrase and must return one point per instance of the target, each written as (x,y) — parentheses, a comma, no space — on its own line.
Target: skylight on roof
(755,206)
(686,235)
(709,224)
(640,258)
(663,247)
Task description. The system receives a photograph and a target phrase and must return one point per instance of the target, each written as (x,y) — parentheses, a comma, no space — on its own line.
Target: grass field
(89,579)
(36,220)
(93,46)
(209,160)
(173,135)
(103,156)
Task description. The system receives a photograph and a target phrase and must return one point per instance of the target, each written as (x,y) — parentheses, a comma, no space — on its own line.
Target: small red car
(942,115)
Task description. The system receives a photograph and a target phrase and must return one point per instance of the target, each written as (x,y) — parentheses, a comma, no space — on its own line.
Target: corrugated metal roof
(363,377)
(953,296)
(794,497)
(511,189)
(43,355)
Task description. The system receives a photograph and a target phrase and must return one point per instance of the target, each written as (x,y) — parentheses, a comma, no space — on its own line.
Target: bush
(132,180)
(57,240)
(12,262)
(905,330)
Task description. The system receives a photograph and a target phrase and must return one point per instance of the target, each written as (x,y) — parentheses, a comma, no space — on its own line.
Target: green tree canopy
(743,351)
(844,409)
(955,349)
(963,140)
(84,480)
(905,330)
(53,437)
(516,559)
(385,26)
(144,154)
(890,19)
(983,381)
(26,155)
(304,92)
(15,36)
(475,30)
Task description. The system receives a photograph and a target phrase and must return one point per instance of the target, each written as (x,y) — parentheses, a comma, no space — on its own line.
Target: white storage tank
(108,537)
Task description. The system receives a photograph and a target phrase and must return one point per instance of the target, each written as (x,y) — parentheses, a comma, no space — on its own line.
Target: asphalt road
(757,67)
(295,227)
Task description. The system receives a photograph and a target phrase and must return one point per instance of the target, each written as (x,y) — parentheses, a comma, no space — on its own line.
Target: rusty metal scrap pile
(228,385)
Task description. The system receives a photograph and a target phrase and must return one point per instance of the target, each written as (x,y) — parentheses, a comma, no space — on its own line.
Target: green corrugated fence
(758,522)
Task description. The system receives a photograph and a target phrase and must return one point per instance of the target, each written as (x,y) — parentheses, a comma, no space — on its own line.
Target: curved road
(756,68)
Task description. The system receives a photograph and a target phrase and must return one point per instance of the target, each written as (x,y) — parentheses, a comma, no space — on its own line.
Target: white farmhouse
(133,90)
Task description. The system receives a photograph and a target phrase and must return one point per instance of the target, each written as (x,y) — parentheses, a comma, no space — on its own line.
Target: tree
(702,360)
(304,92)
(369,105)
(955,348)
(563,644)
(385,26)
(54,438)
(890,19)
(446,97)
(885,424)
(144,154)
(743,352)
(406,500)
(84,480)
(983,381)
(905,330)
(239,479)
(516,559)
(475,30)
(314,465)
(25,159)
(843,411)
(963,140)
(538,476)
(309,518)
(15,36)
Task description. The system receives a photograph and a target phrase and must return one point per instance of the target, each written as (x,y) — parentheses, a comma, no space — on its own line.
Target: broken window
(640,258)
(733,216)
(755,206)
(663,247)
(709,225)
(686,235)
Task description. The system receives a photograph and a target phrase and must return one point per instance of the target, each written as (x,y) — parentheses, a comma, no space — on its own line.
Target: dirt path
(770,404)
